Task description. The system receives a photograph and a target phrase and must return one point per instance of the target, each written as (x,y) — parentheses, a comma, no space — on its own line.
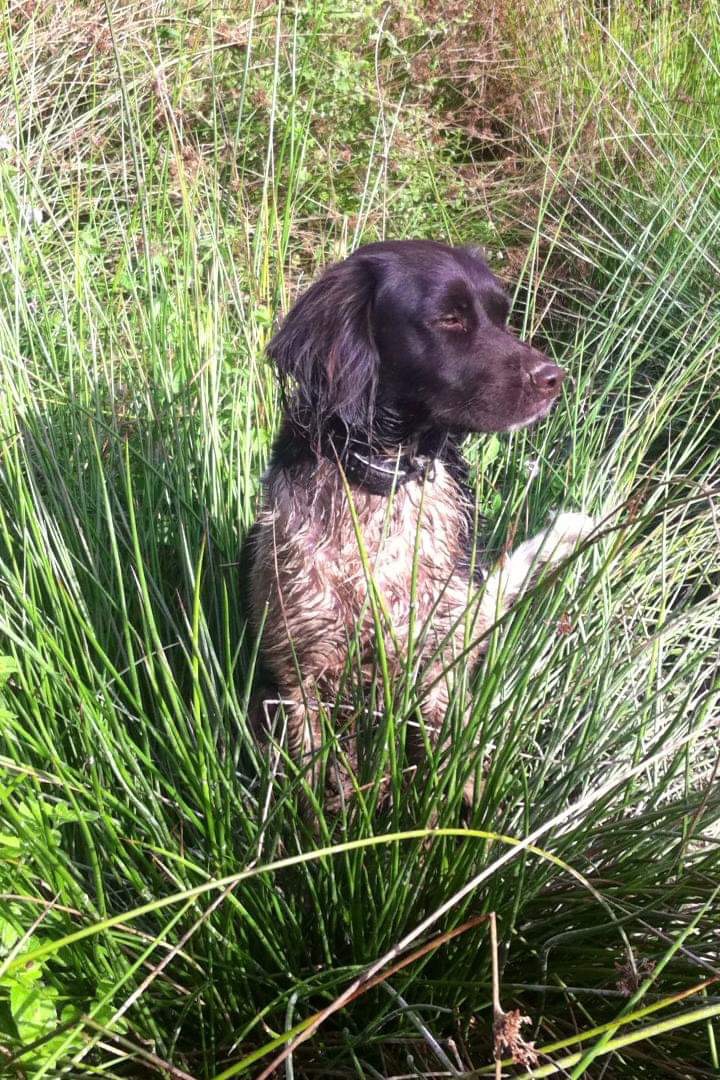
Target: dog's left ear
(325,347)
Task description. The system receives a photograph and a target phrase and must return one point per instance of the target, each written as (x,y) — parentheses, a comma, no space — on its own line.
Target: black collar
(372,470)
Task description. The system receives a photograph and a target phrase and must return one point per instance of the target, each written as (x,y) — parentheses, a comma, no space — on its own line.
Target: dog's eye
(450,322)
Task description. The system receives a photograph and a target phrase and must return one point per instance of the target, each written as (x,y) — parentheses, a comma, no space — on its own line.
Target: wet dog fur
(386,363)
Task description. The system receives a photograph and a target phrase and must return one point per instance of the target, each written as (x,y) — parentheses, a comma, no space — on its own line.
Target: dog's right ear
(325,347)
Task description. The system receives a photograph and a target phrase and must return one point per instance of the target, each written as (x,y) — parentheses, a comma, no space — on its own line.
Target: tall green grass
(166,188)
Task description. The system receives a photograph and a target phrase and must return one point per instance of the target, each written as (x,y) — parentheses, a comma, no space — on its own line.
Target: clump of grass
(164,907)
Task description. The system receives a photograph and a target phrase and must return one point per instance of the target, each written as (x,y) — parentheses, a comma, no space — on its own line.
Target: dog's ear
(325,347)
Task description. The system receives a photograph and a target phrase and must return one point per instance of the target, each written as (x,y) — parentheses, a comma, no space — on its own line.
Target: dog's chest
(413,546)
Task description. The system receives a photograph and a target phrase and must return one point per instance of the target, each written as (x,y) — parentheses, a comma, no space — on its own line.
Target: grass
(169,179)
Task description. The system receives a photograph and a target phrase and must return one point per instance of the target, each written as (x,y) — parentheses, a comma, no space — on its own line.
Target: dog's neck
(376,468)
(378,460)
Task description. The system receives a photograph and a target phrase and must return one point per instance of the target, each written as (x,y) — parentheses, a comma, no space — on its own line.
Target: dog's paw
(522,567)
(555,543)
(569,529)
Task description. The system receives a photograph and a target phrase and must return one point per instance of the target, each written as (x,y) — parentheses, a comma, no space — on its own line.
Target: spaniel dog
(386,363)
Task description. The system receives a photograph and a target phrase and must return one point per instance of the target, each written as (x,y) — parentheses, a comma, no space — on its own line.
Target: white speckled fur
(309,583)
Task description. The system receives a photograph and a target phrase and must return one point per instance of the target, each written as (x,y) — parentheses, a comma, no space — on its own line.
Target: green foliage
(39,1009)
(36,1003)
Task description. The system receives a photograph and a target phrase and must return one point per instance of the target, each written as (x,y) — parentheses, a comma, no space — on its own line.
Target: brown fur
(311,585)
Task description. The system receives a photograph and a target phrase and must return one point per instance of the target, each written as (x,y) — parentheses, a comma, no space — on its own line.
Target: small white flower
(532,467)
(6,142)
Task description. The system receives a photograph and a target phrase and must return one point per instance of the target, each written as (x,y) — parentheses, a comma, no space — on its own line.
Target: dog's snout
(546,377)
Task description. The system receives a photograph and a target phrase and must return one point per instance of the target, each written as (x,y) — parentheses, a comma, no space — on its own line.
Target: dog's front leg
(518,569)
(430,733)
(305,738)
(304,732)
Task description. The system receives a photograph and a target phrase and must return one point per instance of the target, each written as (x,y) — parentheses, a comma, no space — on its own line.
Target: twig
(361,986)
(138,1051)
(424,1031)
(497,1008)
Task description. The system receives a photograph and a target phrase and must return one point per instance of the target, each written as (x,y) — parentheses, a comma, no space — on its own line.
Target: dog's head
(415,330)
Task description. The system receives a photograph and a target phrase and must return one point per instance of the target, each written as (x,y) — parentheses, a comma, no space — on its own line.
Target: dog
(386,363)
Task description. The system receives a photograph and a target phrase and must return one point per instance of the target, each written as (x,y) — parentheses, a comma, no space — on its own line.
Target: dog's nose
(547,377)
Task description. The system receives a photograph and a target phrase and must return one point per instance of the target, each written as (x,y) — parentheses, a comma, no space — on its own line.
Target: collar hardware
(378,473)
